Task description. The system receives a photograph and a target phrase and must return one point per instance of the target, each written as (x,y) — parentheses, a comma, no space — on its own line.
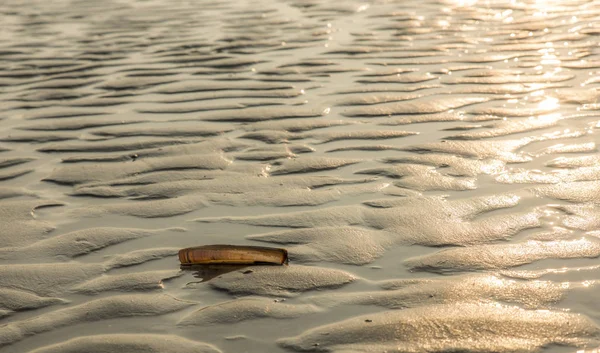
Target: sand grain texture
(134,343)
(99,309)
(484,328)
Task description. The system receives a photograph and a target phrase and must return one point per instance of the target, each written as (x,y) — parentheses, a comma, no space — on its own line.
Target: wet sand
(431,167)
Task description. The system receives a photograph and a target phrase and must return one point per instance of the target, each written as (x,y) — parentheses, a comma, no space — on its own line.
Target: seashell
(232,254)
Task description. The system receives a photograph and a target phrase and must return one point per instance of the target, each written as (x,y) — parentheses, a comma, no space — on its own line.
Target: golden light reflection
(493,281)
(462,3)
(550,118)
(493,168)
(549,59)
(550,212)
(503,14)
(550,103)
(362,8)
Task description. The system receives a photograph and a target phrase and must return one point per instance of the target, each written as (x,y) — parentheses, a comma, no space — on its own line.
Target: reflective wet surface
(431,167)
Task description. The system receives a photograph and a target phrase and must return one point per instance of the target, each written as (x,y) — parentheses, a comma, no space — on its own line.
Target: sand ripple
(432,168)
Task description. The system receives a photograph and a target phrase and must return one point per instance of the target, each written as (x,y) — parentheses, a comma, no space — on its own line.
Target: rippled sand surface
(432,168)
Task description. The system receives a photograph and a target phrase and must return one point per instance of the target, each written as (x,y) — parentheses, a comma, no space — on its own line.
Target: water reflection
(208,272)
(550,103)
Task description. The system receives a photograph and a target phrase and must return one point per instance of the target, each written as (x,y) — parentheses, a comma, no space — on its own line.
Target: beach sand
(431,167)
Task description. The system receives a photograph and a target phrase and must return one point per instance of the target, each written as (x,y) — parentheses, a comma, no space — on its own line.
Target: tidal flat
(431,167)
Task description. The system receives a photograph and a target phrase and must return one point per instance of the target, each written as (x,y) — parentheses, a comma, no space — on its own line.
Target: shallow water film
(431,167)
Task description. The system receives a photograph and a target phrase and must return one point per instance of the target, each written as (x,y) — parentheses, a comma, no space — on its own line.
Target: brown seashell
(232,255)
